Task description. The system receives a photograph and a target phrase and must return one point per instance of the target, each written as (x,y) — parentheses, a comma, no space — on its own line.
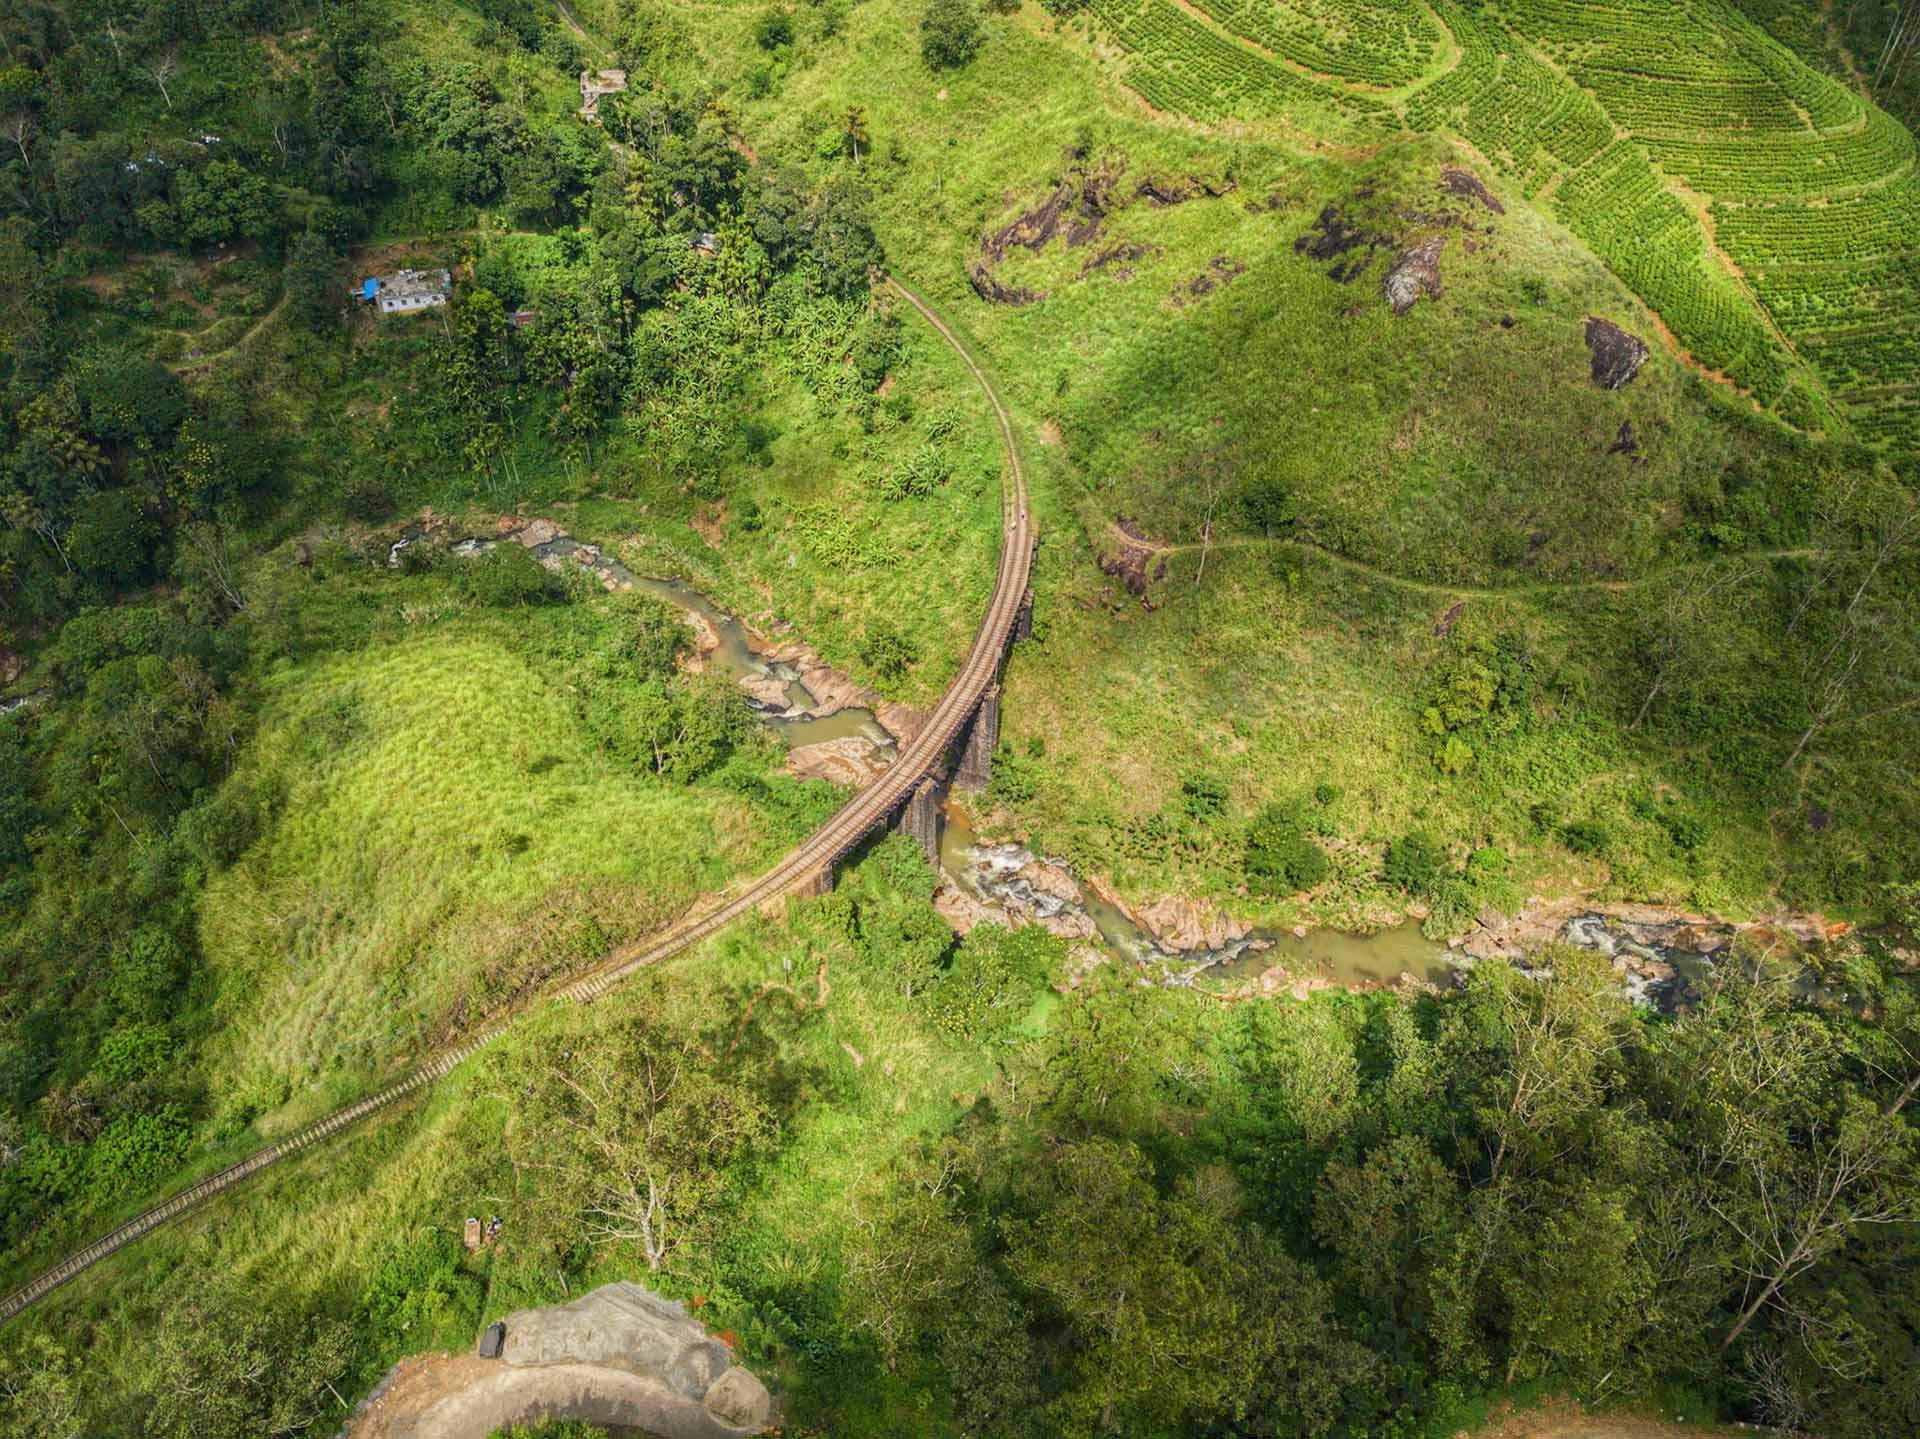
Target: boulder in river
(963,912)
(767,689)
(902,721)
(851,759)
(1183,924)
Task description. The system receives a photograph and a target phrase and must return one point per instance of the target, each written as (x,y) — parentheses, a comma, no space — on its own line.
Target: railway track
(802,866)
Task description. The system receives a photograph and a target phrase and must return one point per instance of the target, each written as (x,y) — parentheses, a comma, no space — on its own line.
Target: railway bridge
(967,717)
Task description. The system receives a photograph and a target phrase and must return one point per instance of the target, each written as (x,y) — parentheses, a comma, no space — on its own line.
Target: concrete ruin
(595,84)
(619,1356)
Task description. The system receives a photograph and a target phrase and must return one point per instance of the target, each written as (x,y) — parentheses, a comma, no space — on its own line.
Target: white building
(405,291)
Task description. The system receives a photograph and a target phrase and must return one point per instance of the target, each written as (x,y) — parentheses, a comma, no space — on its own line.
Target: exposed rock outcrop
(1617,356)
(619,1356)
(1414,274)
(1184,925)
(852,759)
(1454,180)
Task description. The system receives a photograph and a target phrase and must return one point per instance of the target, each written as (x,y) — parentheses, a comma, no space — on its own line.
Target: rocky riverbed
(1664,958)
(837,729)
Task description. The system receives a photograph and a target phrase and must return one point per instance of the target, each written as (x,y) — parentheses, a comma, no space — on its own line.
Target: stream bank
(834,727)
(837,729)
(1664,959)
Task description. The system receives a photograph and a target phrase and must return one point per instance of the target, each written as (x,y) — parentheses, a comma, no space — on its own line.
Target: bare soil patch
(1138,560)
(1564,1419)
(1454,180)
(1221,270)
(412,1387)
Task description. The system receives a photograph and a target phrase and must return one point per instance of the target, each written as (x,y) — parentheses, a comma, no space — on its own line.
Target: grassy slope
(878,1080)
(1295,680)
(450,832)
(1437,447)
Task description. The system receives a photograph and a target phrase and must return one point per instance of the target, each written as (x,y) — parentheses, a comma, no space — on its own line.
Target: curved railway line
(802,866)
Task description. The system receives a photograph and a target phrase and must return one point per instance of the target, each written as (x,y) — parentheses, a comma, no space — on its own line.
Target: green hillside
(1475,446)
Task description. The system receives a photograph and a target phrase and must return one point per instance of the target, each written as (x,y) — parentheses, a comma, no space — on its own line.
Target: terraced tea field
(1770,215)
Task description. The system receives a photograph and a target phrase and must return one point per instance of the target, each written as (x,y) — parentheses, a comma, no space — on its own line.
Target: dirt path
(1564,1419)
(578,29)
(242,340)
(1160,547)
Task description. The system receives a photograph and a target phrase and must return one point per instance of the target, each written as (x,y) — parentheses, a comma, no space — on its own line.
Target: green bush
(887,652)
(1584,836)
(950,33)
(225,827)
(773,30)
(992,979)
(131,1052)
(1415,863)
(420,1290)
(1687,831)
(1280,859)
(144,971)
(136,1151)
(1204,796)
(507,575)
(1015,776)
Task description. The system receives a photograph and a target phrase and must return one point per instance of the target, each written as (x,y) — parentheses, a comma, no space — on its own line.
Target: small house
(706,242)
(596,83)
(406,291)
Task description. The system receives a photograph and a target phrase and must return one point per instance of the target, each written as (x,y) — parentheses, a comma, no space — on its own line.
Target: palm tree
(855,128)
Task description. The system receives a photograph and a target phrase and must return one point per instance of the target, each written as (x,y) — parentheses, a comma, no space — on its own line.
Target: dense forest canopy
(310,767)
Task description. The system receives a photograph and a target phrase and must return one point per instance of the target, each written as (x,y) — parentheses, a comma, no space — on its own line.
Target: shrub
(1280,859)
(111,539)
(1015,777)
(773,30)
(506,576)
(418,1290)
(131,1052)
(1414,863)
(1584,836)
(950,33)
(887,652)
(225,827)
(1204,796)
(992,979)
(144,971)
(1687,831)
(136,1151)
(1325,794)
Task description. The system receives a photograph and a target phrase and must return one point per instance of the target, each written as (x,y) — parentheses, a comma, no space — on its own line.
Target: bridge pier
(920,820)
(816,884)
(983,735)
(1023,618)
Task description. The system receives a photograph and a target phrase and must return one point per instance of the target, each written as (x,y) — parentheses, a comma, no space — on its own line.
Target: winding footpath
(800,870)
